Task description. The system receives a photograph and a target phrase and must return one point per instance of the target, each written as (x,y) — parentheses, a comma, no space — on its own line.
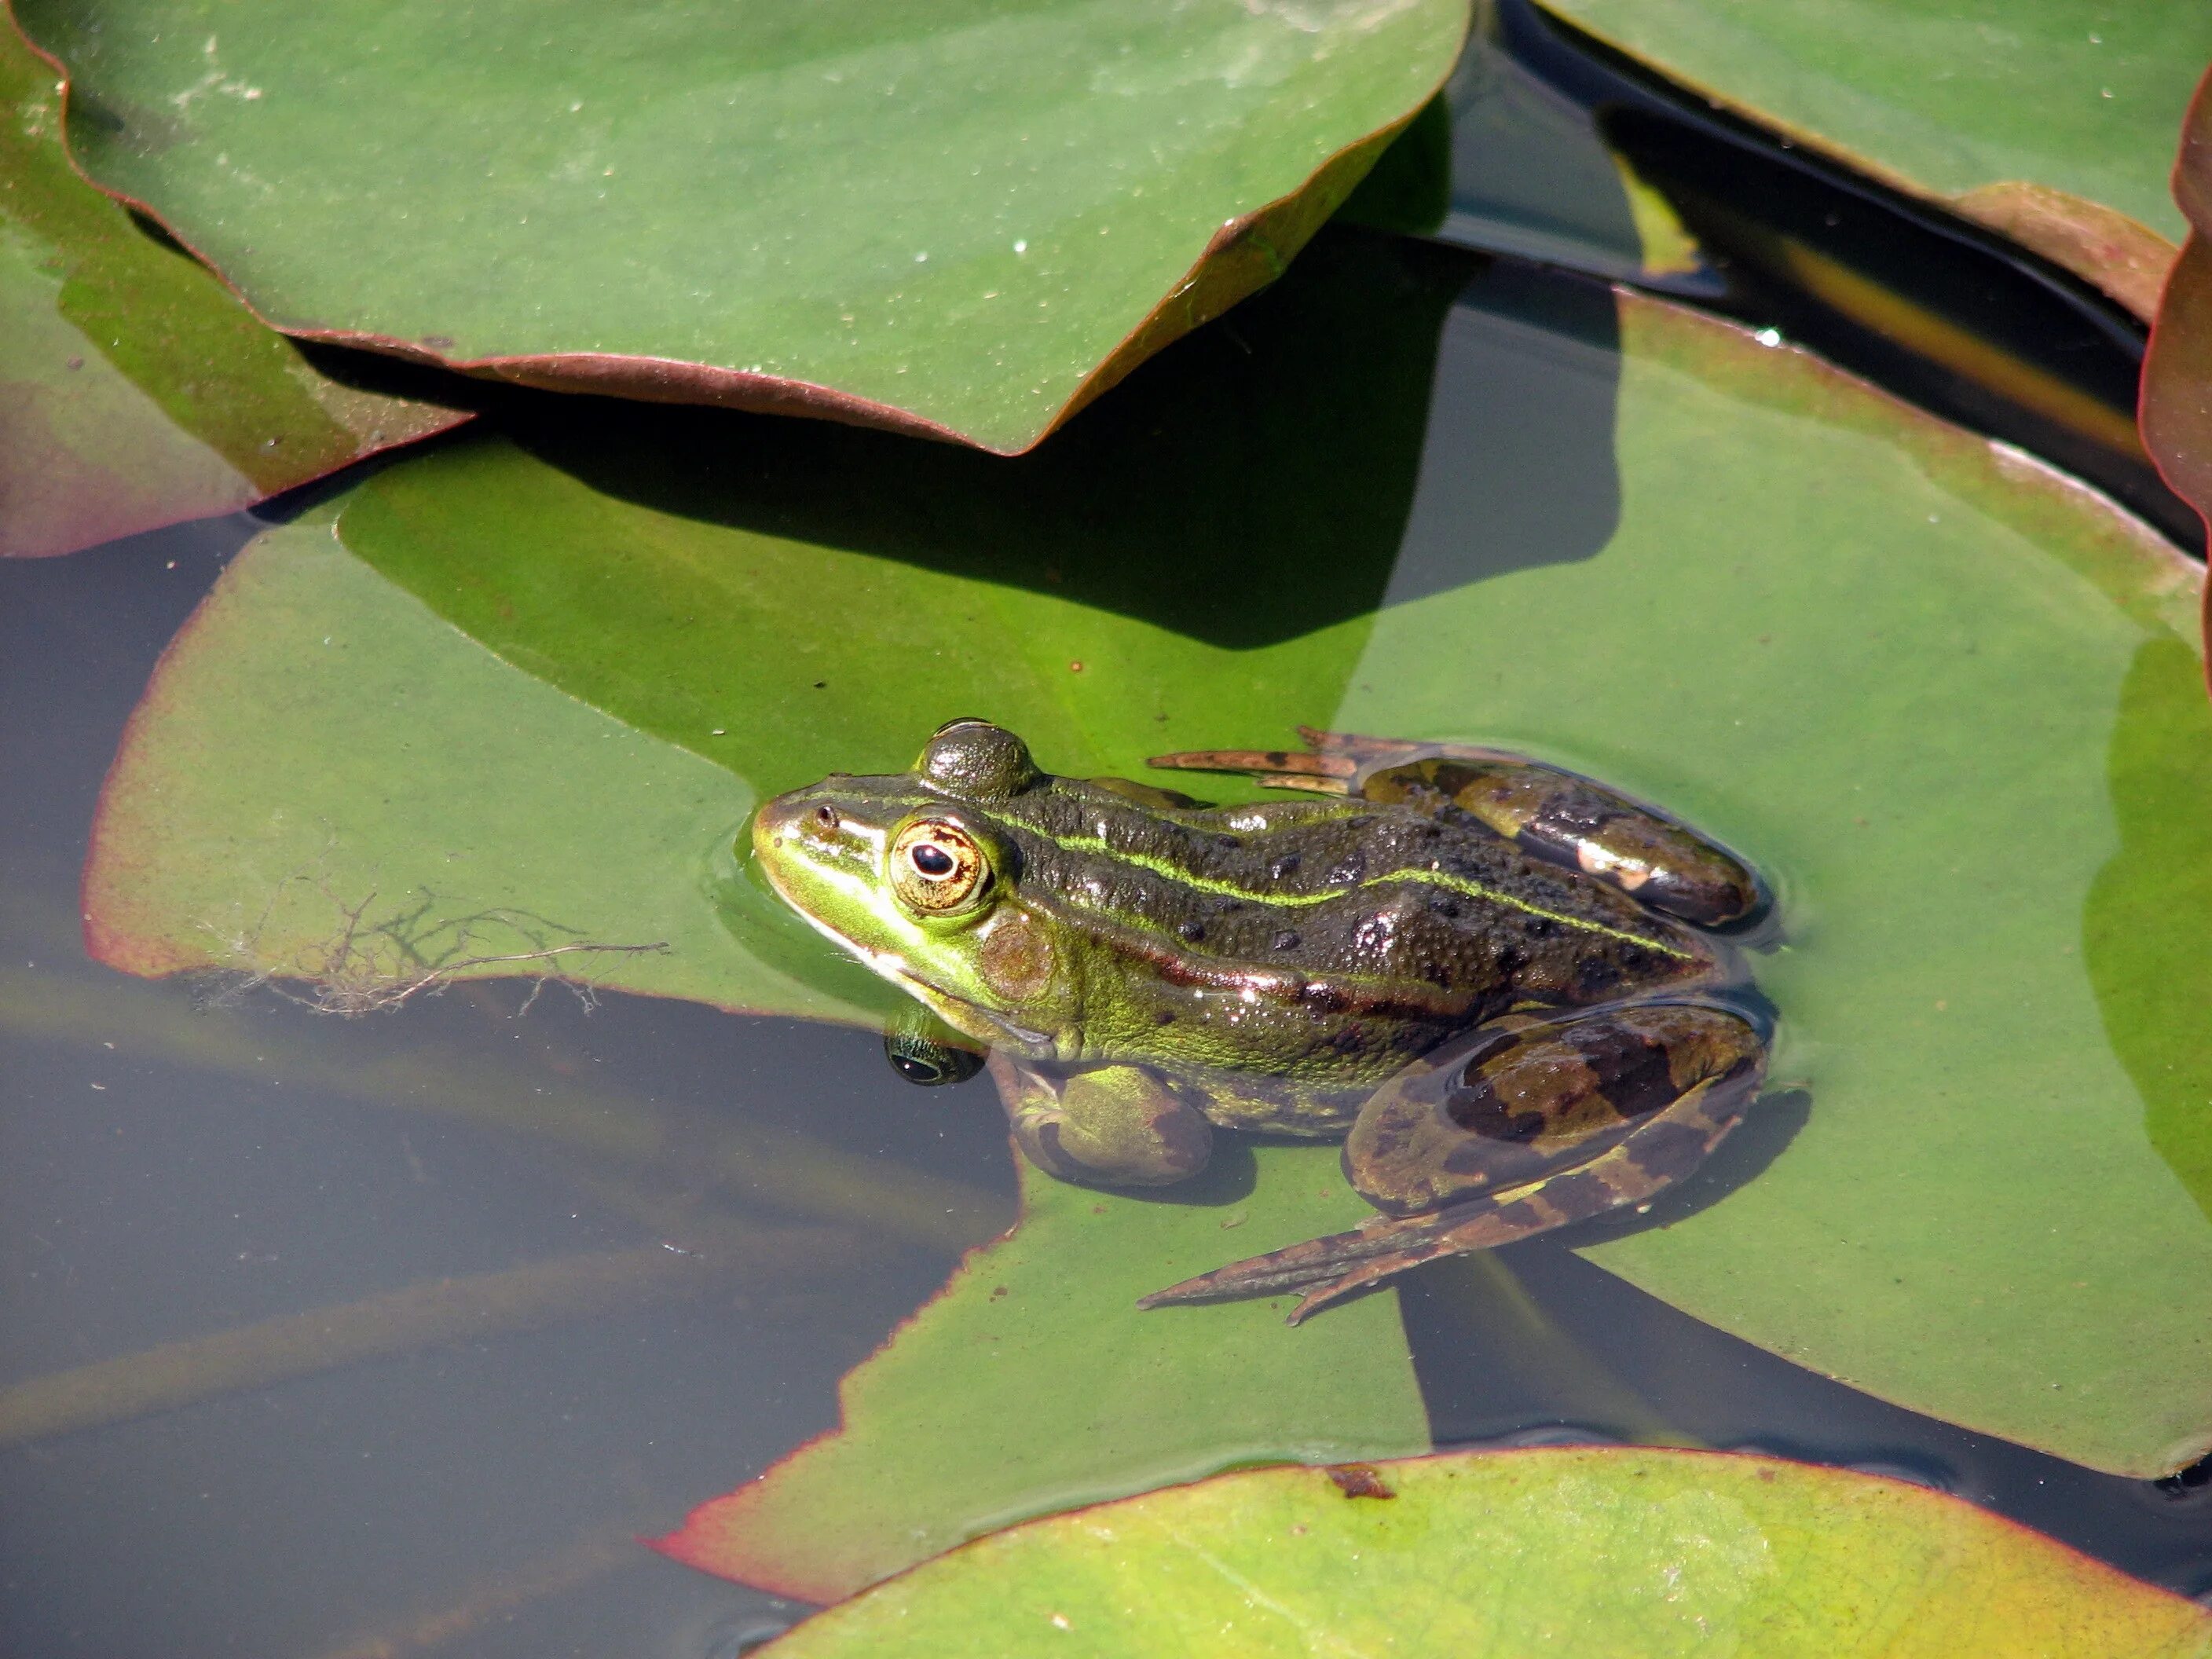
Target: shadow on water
(1391,418)
(1532,1345)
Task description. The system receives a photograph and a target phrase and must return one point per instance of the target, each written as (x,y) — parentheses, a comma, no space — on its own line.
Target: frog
(1513,993)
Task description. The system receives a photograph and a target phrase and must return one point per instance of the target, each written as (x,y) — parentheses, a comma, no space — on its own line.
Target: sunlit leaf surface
(134,392)
(965,219)
(1033,1384)
(2049,120)
(1584,1551)
(1887,660)
(326,782)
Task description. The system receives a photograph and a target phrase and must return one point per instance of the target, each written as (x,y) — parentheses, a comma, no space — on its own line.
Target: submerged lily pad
(967,220)
(1582,1551)
(1879,655)
(134,392)
(2050,121)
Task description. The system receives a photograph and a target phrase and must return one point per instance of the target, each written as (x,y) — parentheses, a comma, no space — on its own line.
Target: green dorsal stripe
(1159,867)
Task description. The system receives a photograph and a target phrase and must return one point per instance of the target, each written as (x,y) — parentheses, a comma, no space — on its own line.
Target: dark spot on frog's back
(1284,867)
(1285,940)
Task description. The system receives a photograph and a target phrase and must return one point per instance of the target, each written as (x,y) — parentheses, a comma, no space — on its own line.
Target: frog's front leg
(1527,1125)
(1113,1126)
(1560,816)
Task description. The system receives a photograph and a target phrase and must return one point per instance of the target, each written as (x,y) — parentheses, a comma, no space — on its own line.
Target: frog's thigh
(1118,1126)
(1632,1096)
(1568,820)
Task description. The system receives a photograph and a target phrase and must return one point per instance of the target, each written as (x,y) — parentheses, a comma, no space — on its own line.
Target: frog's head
(914,875)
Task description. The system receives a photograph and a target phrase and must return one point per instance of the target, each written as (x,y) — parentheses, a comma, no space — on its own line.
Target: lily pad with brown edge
(1586,1551)
(134,392)
(1880,656)
(1032,1383)
(2176,412)
(966,221)
(2048,121)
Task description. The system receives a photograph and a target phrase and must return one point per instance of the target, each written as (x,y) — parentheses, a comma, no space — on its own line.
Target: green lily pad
(1076,1396)
(1582,1551)
(134,392)
(324,783)
(2051,121)
(1881,656)
(966,222)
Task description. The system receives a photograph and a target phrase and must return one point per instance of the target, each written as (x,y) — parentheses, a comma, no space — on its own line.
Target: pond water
(187,1157)
(395,1335)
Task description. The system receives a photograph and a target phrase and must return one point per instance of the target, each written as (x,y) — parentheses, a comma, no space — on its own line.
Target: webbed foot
(1520,1128)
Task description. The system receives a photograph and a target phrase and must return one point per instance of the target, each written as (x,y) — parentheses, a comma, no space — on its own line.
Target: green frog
(1499,982)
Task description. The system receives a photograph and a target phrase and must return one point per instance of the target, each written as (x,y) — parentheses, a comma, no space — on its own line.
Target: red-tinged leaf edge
(2119,256)
(705,1539)
(2175,409)
(1241,258)
(2127,261)
(1382,1480)
(106,940)
(107,519)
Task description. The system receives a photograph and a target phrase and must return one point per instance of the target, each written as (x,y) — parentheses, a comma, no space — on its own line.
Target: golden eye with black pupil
(937,867)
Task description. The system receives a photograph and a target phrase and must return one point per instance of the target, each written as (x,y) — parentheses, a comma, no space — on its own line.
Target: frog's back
(1334,938)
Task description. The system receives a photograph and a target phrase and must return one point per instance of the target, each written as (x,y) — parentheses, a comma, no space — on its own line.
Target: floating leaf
(2051,123)
(1881,656)
(135,393)
(966,221)
(1581,1551)
(2177,383)
(1077,1396)
(326,783)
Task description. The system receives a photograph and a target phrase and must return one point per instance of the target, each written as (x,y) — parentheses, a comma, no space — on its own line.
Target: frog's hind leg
(1725,1059)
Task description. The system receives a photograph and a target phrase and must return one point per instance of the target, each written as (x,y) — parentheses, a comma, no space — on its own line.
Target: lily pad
(327,784)
(2047,121)
(2177,385)
(1881,656)
(966,221)
(134,392)
(1582,1550)
(1077,1396)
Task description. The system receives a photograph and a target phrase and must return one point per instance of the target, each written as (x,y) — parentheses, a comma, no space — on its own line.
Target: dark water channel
(174,1164)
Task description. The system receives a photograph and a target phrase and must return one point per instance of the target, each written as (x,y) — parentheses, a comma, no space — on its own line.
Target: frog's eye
(937,867)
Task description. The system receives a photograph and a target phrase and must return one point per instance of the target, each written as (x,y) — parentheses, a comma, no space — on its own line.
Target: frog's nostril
(826,817)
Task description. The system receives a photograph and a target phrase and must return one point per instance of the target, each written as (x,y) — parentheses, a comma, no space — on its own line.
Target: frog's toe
(1327,1269)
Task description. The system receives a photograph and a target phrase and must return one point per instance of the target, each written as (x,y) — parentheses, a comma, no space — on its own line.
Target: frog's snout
(789,823)
(805,826)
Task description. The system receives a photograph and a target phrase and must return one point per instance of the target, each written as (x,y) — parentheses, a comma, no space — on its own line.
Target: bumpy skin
(1143,965)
